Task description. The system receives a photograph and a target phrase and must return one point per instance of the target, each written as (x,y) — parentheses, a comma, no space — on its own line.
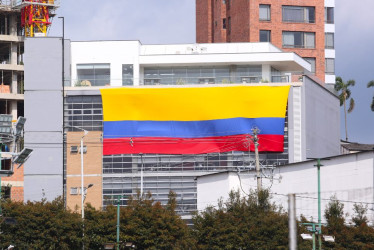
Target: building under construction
(18,19)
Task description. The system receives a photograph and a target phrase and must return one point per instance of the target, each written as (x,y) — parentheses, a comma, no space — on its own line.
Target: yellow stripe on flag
(194,104)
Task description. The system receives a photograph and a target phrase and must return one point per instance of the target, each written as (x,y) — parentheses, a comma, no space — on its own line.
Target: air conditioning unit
(74,149)
(74,191)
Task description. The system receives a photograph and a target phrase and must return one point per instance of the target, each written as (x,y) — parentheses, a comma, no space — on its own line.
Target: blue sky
(173,21)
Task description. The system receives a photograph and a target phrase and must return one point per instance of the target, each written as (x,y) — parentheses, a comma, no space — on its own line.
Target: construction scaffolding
(35,14)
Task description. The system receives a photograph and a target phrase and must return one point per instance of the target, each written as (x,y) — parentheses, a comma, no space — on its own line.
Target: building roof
(354,146)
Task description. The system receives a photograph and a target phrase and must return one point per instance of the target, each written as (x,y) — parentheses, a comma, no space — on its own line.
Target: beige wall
(92,169)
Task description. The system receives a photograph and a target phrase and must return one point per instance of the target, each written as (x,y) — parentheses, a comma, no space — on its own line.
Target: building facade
(12,85)
(116,64)
(305,27)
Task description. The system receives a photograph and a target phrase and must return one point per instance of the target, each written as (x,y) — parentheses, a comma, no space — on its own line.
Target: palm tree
(371,84)
(345,94)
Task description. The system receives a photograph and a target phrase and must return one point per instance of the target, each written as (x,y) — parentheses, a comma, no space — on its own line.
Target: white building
(350,178)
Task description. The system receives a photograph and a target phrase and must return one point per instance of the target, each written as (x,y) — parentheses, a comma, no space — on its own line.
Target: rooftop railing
(161,80)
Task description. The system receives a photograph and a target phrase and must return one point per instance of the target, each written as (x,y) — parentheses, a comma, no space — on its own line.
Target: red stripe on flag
(162,145)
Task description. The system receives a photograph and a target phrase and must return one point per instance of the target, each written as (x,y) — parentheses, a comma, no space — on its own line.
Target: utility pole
(118,221)
(319,202)
(255,132)
(292,222)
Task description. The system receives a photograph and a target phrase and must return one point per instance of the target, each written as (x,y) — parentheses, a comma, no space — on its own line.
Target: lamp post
(85,132)
(63,102)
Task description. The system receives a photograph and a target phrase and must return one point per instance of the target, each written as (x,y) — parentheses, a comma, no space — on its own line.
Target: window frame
(330,14)
(268,36)
(303,39)
(304,11)
(309,59)
(128,81)
(97,78)
(326,40)
(268,8)
(328,71)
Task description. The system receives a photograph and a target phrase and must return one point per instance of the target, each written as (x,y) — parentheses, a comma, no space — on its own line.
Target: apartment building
(305,27)
(11,87)
(117,65)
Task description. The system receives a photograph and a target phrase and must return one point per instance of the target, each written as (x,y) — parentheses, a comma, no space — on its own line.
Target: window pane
(293,14)
(312,61)
(288,39)
(127,74)
(330,66)
(298,14)
(296,39)
(311,14)
(309,40)
(264,12)
(329,40)
(265,36)
(329,15)
(94,74)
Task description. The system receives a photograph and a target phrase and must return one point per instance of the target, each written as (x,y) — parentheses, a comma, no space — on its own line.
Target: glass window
(297,39)
(264,12)
(329,15)
(127,74)
(329,40)
(312,61)
(298,14)
(265,36)
(93,74)
(224,23)
(330,66)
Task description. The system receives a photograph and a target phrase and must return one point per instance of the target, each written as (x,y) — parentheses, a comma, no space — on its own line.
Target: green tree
(251,222)
(345,95)
(371,84)
(360,214)
(359,236)
(144,222)
(40,225)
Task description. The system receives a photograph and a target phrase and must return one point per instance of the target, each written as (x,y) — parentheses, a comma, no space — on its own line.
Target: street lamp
(82,171)
(85,190)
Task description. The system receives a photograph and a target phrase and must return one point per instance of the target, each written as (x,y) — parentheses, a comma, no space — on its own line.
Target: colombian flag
(193,120)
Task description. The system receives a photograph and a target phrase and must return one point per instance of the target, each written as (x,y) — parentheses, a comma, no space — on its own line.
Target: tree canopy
(241,222)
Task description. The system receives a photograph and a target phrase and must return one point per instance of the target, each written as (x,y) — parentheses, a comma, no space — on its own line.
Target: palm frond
(371,84)
(338,83)
(351,105)
(372,104)
(351,83)
(341,98)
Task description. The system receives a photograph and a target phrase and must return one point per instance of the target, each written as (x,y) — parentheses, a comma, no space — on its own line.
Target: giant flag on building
(193,120)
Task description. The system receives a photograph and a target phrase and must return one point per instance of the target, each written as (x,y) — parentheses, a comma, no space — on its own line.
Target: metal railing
(157,80)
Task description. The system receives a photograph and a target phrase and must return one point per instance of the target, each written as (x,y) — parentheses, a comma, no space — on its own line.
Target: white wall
(115,53)
(349,177)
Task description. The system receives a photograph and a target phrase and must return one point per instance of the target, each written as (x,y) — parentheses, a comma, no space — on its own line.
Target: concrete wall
(43,172)
(349,177)
(322,121)
(115,53)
